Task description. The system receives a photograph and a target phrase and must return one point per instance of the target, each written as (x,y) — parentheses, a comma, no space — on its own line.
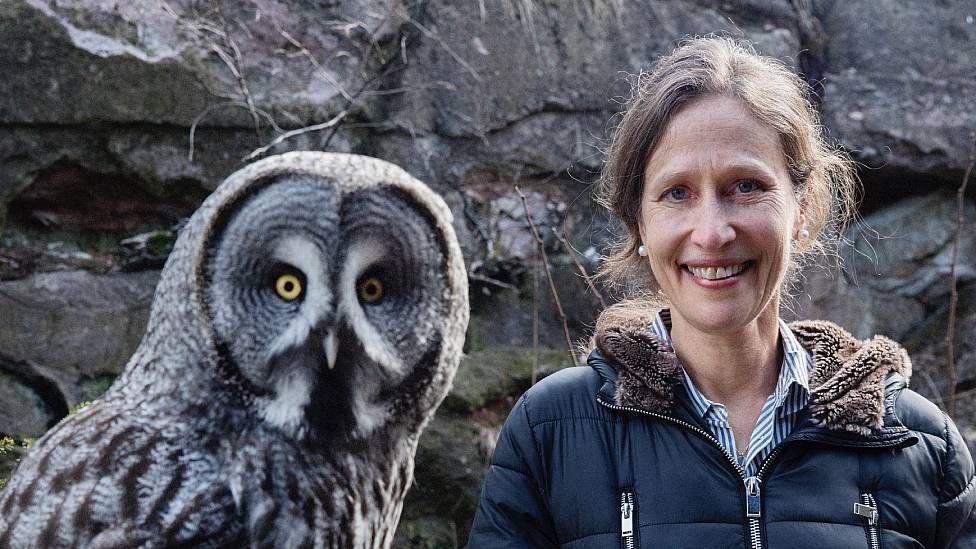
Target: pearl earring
(642,251)
(804,234)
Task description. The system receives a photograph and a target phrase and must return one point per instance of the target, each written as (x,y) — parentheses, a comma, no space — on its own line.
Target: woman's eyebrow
(677,175)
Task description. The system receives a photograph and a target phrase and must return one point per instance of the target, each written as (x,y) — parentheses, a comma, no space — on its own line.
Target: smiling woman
(710,422)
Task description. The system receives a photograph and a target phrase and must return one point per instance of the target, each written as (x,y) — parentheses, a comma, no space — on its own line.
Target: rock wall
(117,118)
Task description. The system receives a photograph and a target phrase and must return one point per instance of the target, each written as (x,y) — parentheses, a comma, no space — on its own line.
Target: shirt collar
(794,373)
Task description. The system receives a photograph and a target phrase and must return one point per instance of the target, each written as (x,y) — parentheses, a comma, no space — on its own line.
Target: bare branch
(548,269)
(954,295)
(351,101)
(492,281)
(535,323)
(237,65)
(226,49)
(579,266)
(292,133)
(311,59)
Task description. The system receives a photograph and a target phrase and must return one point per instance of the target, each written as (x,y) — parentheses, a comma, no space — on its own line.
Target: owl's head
(335,293)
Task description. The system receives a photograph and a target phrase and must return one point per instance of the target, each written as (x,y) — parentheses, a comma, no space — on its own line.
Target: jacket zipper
(627,509)
(753,510)
(868,510)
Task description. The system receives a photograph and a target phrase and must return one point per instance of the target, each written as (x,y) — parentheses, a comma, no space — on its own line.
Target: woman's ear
(800,231)
(640,232)
(799,225)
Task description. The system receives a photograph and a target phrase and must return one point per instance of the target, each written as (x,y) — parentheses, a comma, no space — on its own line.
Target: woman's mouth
(718,273)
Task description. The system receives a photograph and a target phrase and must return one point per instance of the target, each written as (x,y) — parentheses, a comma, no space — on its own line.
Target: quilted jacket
(610,455)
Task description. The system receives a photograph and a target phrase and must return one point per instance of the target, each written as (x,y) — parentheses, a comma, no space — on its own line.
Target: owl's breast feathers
(290,496)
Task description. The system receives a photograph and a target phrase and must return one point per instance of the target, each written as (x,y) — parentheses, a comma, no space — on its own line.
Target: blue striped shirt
(779,413)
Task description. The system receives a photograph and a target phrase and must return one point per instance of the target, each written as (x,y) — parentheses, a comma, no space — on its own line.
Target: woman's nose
(712,228)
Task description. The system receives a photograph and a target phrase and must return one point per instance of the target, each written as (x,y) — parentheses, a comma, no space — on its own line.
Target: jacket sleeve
(956,520)
(512,511)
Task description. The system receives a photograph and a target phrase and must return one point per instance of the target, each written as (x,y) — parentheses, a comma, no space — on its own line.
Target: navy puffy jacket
(610,455)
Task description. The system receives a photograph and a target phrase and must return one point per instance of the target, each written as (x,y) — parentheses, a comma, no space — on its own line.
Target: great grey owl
(306,326)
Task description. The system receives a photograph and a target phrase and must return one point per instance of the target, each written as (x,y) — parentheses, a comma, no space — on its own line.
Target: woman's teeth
(717,273)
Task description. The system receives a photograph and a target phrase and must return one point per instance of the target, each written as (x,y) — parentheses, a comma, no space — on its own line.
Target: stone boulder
(72,328)
(137,88)
(896,268)
(899,86)
(23,411)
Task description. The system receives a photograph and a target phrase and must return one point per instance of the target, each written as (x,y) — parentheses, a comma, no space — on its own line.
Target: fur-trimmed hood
(847,384)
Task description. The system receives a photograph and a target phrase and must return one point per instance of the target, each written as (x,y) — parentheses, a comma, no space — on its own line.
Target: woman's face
(718,214)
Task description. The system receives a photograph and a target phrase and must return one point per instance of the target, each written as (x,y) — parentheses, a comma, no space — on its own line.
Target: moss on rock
(492,373)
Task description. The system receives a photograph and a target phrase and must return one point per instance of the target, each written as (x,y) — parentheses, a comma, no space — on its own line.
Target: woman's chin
(719,318)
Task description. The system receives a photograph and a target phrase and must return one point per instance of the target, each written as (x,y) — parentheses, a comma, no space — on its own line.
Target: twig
(380,76)
(579,266)
(292,133)
(314,62)
(535,323)
(235,61)
(433,36)
(492,281)
(552,283)
(352,100)
(227,50)
(954,295)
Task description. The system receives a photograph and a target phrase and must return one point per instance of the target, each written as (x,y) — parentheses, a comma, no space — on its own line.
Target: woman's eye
(288,287)
(677,193)
(370,290)
(747,186)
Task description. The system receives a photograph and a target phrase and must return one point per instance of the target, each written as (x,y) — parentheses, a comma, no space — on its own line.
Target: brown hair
(823,178)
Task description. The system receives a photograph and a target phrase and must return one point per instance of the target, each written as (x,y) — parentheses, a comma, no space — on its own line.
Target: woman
(712,423)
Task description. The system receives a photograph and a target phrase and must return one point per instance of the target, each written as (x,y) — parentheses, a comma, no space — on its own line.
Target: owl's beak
(331,348)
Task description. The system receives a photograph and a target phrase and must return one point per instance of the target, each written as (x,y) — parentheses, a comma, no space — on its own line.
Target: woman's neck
(731,367)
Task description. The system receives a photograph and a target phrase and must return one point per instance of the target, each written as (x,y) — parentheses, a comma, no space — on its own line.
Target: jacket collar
(847,385)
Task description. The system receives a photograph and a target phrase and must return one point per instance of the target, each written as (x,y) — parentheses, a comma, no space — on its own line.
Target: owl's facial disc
(327,300)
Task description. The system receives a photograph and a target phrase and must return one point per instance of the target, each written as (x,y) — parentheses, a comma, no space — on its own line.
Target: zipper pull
(628,507)
(868,512)
(753,505)
(627,515)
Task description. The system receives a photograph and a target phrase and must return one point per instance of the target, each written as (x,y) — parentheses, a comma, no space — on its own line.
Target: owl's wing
(103,476)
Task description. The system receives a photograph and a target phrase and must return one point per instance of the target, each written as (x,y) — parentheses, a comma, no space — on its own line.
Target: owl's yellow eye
(288,286)
(370,290)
